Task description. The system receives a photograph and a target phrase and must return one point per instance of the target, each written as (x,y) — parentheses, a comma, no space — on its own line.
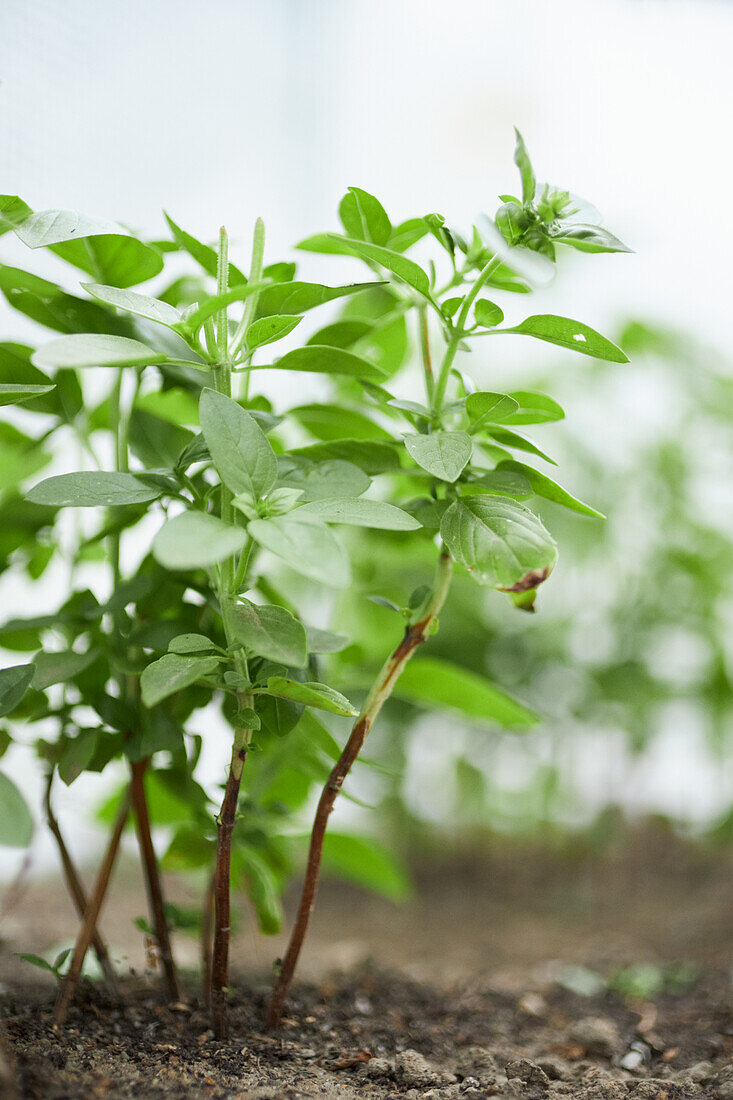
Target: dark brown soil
(467,997)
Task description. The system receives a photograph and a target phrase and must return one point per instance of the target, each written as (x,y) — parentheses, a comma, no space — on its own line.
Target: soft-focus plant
(205,614)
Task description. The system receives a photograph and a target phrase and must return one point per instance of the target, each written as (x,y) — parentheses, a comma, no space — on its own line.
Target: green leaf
(325,641)
(569,334)
(589,238)
(443,454)
(203,254)
(194,540)
(49,305)
(311,695)
(296,297)
(13,211)
(523,163)
(494,407)
(361,513)
(271,632)
(77,754)
(139,304)
(518,441)
(341,334)
(370,456)
(101,248)
(95,350)
(488,313)
(263,889)
(328,422)
(239,448)
(326,480)
(212,303)
(14,682)
(268,329)
(367,863)
(35,960)
(190,643)
(172,673)
(364,217)
(15,393)
(407,271)
(534,408)
(323,359)
(92,489)
(434,682)
(407,233)
(57,668)
(545,487)
(306,544)
(16,822)
(503,483)
(499,541)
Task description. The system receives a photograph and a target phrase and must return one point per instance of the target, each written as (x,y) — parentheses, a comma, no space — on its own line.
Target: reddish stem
(224,829)
(91,915)
(414,636)
(76,889)
(153,884)
(207,928)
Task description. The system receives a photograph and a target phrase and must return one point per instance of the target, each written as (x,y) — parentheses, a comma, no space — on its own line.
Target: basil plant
(244,496)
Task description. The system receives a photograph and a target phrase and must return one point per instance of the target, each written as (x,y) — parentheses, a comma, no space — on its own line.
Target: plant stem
(76,889)
(222,927)
(153,883)
(91,915)
(207,926)
(227,593)
(250,305)
(414,636)
(450,351)
(425,349)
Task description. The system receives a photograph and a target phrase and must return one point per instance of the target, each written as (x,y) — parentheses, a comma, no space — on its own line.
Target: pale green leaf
(271,632)
(92,489)
(15,393)
(443,454)
(433,682)
(131,302)
(311,695)
(361,513)
(324,359)
(306,544)
(172,673)
(196,539)
(239,448)
(499,541)
(16,822)
(95,350)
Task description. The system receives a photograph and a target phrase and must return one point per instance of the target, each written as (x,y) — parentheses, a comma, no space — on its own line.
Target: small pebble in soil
(527,1072)
(478,1063)
(414,1071)
(596,1034)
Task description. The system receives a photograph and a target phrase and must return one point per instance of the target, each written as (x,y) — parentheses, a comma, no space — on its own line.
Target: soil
(489,983)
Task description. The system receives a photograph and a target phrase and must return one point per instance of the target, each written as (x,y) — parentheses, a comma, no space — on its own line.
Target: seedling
(244,500)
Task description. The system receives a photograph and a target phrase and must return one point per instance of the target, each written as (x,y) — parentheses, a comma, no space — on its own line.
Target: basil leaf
(443,454)
(311,695)
(96,350)
(92,489)
(500,542)
(435,682)
(172,673)
(239,448)
(569,334)
(196,539)
(306,544)
(361,513)
(271,632)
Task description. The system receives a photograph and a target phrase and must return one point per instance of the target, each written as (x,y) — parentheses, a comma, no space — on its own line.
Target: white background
(228,110)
